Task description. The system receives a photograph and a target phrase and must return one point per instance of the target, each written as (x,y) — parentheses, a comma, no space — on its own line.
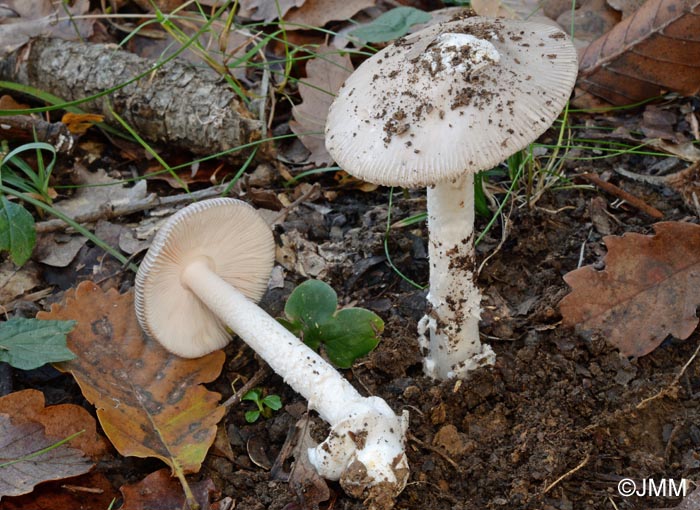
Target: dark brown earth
(555,424)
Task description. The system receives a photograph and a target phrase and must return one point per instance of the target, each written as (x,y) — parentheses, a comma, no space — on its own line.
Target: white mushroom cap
(453,98)
(237,245)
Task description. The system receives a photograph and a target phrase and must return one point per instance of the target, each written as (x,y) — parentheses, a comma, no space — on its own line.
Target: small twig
(665,391)
(622,194)
(124,209)
(284,212)
(567,474)
(252,383)
(583,249)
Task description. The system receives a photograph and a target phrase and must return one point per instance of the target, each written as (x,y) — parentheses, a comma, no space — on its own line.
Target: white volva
(450,332)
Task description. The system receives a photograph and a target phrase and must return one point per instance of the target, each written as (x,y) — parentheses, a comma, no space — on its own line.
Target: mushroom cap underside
(236,243)
(429,108)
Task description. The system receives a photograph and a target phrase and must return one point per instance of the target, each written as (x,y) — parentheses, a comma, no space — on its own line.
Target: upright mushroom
(200,274)
(433,109)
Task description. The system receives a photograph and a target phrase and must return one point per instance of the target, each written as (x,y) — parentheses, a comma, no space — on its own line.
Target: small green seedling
(29,343)
(17,235)
(347,334)
(265,405)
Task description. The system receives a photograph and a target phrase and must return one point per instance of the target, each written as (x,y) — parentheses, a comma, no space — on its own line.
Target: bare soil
(555,424)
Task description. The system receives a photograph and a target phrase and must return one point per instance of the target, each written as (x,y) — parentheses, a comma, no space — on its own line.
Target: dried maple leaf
(649,289)
(324,76)
(652,51)
(23,464)
(150,403)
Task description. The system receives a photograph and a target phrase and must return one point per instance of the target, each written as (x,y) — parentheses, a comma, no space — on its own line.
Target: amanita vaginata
(206,267)
(432,110)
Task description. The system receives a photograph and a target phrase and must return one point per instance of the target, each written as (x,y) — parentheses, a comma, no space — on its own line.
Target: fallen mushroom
(433,109)
(204,268)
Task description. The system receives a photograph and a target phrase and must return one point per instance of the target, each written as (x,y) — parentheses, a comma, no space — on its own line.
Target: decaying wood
(26,128)
(653,51)
(177,104)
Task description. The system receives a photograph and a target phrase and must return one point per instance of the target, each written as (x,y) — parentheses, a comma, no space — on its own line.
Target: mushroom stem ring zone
(201,274)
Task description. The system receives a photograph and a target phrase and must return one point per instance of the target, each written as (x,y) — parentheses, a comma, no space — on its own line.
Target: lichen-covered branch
(176,104)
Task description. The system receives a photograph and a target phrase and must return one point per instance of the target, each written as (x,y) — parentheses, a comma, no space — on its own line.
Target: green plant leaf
(352,333)
(310,305)
(30,343)
(391,25)
(252,416)
(274,402)
(252,395)
(17,233)
(480,205)
(346,334)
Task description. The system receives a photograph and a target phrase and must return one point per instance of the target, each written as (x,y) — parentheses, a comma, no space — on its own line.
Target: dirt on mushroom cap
(411,116)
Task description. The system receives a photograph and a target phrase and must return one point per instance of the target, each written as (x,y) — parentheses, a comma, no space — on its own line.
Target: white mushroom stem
(450,332)
(363,429)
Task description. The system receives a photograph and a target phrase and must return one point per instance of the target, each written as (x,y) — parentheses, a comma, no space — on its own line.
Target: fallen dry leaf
(59,421)
(592,19)
(92,491)
(150,403)
(519,9)
(160,492)
(97,192)
(15,282)
(316,13)
(21,464)
(58,250)
(626,7)
(9,103)
(652,51)
(302,478)
(265,10)
(324,76)
(47,18)
(649,289)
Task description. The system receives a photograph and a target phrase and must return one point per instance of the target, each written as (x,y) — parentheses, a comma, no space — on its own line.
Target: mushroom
(433,109)
(202,272)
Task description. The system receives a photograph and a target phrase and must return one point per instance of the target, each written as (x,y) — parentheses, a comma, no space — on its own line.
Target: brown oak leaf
(654,50)
(150,402)
(649,289)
